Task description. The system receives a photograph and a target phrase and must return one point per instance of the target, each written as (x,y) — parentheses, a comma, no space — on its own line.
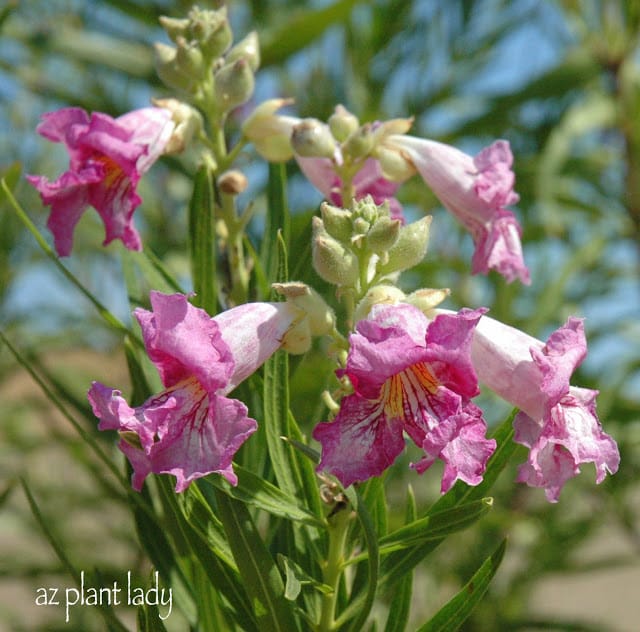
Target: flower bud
(332,261)
(232,182)
(174,27)
(297,339)
(360,143)
(385,294)
(312,139)
(383,234)
(269,132)
(342,123)
(337,222)
(410,248)
(234,84)
(247,48)
(170,71)
(427,298)
(320,316)
(212,30)
(189,58)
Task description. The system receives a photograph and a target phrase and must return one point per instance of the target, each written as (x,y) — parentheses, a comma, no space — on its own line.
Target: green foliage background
(559,79)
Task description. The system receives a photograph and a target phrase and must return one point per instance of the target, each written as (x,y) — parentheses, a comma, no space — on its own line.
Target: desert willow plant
(255,519)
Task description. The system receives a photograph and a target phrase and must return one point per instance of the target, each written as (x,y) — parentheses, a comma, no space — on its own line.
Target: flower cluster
(406,368)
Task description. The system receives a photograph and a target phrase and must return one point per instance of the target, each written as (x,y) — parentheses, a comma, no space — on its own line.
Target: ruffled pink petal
(476,191)
(183,341)
(460,442)
(360,442)
(391,339)
(202,439)
(68,197)
(64,125)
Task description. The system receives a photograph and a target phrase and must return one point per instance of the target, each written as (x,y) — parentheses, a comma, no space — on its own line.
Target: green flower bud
(297,339)
(379,294)
(410,248)
(342,123)
(247,48)
(320,316)
(360,143)
(383,234)
(174,27)
(312,139)
(269,132)
(332,261)
(368,210)
(427,298)
(209,30)
(170,71)
(234,84)
(188,123)
(361,226)
(337,222)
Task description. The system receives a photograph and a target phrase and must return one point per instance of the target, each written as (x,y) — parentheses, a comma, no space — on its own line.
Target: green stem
(332,570)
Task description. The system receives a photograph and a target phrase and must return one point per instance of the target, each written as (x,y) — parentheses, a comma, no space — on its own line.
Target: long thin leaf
(451,616)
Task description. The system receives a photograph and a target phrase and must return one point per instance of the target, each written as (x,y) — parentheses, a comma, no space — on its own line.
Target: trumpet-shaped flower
(557,422)
(477,191)
(107,158)
(413,376)
(192,428)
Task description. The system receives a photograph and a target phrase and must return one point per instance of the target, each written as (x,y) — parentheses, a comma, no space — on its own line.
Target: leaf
(400,608)
(261,577)
(202,241)
(254,490)
(451,616)
(296,577)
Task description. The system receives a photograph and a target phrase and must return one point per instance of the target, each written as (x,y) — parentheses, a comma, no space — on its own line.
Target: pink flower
(557,422)
(476,190)
(410,376)
(192,429)
(107,158)
(368,181)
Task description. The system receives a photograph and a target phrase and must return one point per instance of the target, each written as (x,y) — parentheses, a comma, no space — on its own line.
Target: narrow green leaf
(400,608)
(277,221)
(262,579)
(202,241)
(367,596)
(451,616)
(254,490)
(111,620)
(296,577)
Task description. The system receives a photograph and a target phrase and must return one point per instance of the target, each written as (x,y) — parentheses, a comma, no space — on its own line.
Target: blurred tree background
(559,79)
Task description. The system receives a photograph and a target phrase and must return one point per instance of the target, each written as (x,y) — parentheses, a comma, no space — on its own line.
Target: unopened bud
(212,31)
(383,234)
(410,248)
(360,143)
(332,261)
(234,84)
(342,123)
(379,294)
(189,58)
(174,27)
(337,222)
(170,71)
(247,48)
(269,132)
(427,298)
(232,182)
(313,139)
(320,316)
